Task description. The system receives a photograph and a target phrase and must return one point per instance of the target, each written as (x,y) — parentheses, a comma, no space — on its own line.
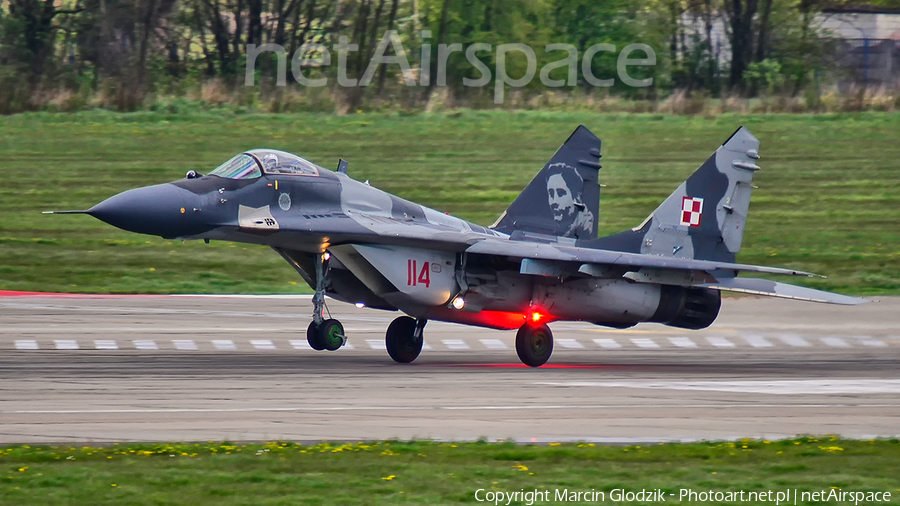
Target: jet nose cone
(153,210)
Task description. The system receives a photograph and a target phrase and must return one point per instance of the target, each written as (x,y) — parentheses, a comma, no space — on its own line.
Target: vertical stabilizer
(564,198)
(704,218)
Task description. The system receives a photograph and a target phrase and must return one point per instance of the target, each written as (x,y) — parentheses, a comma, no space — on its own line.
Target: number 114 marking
(414,276)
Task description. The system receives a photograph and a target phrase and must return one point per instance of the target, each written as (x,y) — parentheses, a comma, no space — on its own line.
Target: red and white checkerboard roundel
(691,211)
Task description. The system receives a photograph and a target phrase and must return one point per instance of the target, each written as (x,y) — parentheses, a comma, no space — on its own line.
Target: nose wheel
(534,344)
(323,334)
(328,335)
(404,338)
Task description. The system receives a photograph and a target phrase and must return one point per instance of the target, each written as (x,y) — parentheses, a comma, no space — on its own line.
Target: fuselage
(385,252)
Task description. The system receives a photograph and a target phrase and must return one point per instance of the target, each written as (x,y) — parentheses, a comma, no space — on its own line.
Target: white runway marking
(570,344)
(299,344)
(777,387)
(644,342)
(346,346)
(426,346)
(683,342)
(66,344)
(494,344)
(26,345)
(757,341)
(607,343)
(455,344)
(105,344)
(794,340)
(869,341)
(262,344)
(376,344)
(223,344)
(151,329)
(143,344)
(720,342)
(835,342)
(184,344)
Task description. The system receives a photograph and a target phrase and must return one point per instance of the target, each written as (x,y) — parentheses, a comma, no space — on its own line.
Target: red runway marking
(13,293)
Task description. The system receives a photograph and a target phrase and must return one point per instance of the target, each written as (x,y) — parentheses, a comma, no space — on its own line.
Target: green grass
(828,199)
(431,473)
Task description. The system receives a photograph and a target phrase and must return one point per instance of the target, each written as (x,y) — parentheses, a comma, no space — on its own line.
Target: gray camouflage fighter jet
(540,262)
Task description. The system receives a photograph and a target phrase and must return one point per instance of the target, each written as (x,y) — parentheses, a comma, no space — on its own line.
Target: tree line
(130,49)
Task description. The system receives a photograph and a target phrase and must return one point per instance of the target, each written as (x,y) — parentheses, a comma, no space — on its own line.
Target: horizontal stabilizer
(782,290)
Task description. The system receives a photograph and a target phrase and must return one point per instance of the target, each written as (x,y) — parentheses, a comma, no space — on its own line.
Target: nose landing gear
(323,334)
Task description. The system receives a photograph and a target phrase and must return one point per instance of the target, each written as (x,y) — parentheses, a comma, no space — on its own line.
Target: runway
(189,368)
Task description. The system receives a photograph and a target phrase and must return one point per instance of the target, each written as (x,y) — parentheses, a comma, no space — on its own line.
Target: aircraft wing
(615,258)
(665,270)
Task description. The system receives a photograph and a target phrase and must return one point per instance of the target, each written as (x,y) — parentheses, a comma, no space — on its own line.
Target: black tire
(534,344)
(401,342)
(331,335)
(312,337)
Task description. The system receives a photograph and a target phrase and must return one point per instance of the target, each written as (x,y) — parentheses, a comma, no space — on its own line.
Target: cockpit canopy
(255,163)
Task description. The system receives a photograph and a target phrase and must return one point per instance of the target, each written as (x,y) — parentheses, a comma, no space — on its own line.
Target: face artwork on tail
(564,189)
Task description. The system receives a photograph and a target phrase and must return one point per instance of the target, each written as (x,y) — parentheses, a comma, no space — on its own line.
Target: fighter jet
(539,263)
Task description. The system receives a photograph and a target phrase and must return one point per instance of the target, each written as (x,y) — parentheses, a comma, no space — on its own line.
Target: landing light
(536,317)
(458,303)
(360,305)
(326,256)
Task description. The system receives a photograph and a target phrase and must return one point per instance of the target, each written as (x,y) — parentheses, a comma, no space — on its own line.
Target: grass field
(829,197)
(436,473)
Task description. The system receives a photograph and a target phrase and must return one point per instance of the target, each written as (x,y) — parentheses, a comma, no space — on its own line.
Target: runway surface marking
(683,342)
(262,344)
(794,340)
(494,344)
(643,342)
(778,387)
(606,343)
(106,344)
(837,342)
(757,341)
(224,344)
(571,344)
(455,344)
(720,342)
(184,344)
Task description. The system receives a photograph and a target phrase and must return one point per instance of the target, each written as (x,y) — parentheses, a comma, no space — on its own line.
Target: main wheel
(330,334)
(312,337)
(534,344)
(401,342)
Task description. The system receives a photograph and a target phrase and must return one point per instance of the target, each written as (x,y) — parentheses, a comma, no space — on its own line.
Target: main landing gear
(322,333)
(534,344)
(404,338)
